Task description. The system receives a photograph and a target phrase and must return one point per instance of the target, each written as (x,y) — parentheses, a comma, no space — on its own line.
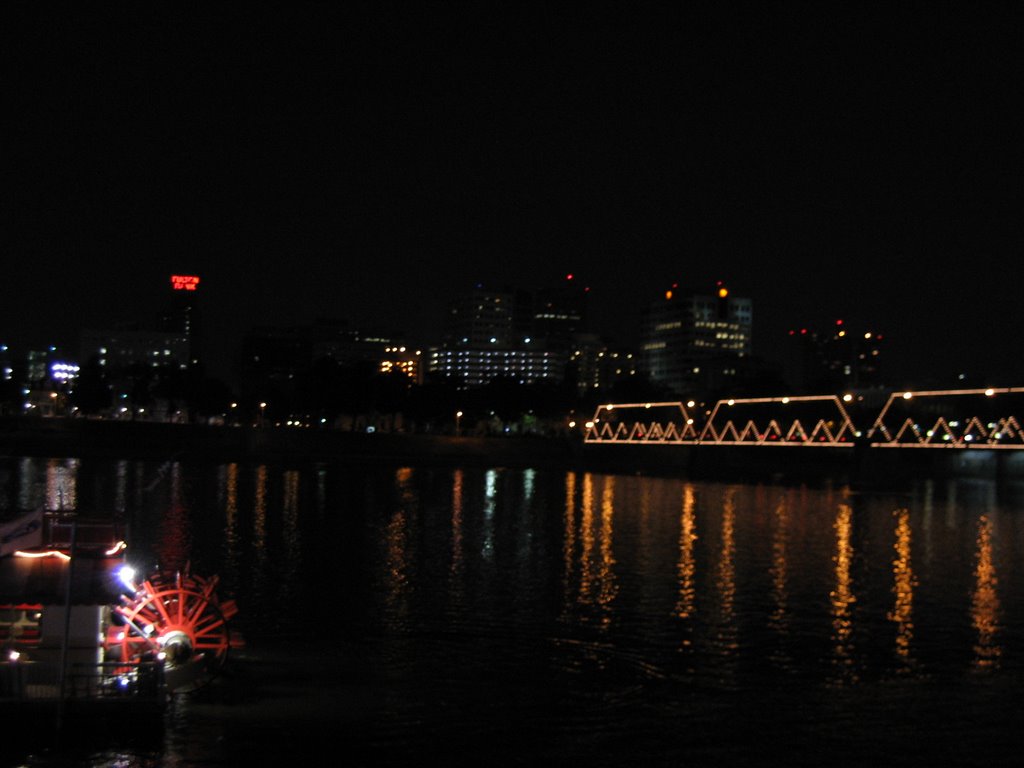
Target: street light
(458,418)
(263,407)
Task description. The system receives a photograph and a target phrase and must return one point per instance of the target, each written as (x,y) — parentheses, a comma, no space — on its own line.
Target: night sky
(371,161)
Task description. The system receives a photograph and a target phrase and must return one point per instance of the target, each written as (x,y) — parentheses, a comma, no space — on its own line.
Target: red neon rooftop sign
(184,282)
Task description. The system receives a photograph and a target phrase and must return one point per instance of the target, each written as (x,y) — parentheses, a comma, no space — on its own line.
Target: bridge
(957,419)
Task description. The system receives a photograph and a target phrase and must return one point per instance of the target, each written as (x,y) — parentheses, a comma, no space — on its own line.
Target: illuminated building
(183,314)
(696,342)
(35,382)
(485,317)
(282,359)
(402,359)
(475,367)
(47,369)
(116,350)
(511,333)
(833,359)
(169,339)
(380,351)
(560,314)
(593,365)
(36,364)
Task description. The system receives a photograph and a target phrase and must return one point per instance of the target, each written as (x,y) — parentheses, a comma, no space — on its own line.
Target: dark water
(394,616)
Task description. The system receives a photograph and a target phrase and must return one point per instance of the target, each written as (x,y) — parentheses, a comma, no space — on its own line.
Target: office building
(696,342)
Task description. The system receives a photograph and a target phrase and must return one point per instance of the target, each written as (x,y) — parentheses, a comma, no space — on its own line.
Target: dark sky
(372,161)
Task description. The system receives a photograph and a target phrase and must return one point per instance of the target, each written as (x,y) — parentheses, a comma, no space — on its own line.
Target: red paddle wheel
(178,619)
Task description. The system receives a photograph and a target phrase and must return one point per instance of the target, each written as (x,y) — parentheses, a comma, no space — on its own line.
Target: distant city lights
(63,371)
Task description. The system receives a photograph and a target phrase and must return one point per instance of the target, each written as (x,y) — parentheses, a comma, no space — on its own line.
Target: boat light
(119,547)
(49,553)
(127,576)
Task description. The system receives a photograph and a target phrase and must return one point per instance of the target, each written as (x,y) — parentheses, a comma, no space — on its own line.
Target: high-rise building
(836,358)
(560,314)
(183,315)
(511,333)
(695,342)
(485,317)
(117,349)
(171,337)
(283,358)
(595,366)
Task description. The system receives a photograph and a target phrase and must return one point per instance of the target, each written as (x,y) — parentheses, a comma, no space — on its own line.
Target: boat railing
(142,681)
(118,680)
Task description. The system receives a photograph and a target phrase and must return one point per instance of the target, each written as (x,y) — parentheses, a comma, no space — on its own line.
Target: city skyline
(373,164)
(163,318)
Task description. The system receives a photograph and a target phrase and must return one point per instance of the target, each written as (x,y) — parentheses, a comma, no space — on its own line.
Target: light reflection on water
(578,607)
(985,601)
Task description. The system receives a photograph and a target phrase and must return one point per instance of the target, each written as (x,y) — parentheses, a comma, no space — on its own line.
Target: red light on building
(184,282)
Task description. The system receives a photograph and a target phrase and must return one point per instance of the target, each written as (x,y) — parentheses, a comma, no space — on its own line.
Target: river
(394,615)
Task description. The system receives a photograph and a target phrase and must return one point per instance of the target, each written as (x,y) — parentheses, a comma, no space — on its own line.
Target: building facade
(833,359)
(511,333)
(696,342)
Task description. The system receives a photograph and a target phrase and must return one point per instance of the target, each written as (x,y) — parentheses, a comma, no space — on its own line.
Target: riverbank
(85,438)
(861,465)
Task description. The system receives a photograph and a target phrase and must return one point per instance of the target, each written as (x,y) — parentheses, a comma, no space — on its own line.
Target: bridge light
(989,392)
(731,402)
(784,400)
(847,397)
(907,395)
(690,403)
(609,407)
(647,406)
(589,425)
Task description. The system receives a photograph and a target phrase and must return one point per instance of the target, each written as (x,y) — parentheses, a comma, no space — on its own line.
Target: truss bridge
(965,419)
